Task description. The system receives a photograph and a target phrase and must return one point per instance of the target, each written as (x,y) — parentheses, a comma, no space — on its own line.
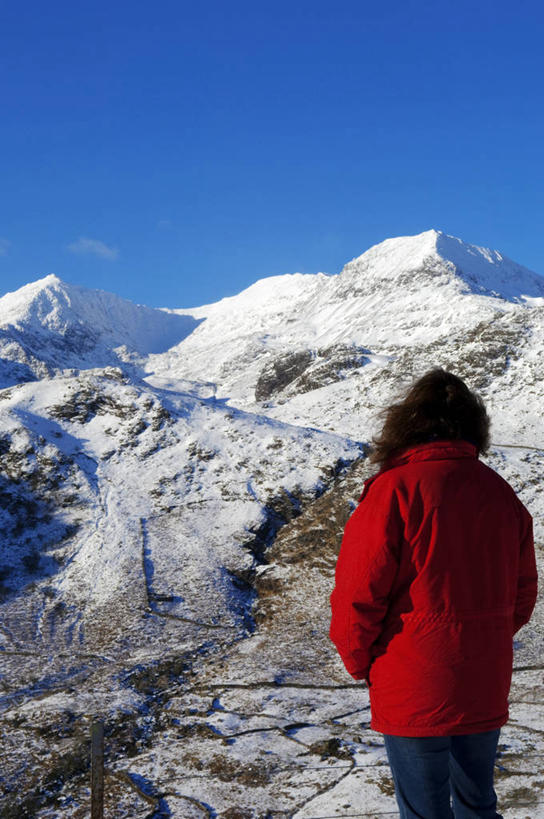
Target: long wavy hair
(438,406)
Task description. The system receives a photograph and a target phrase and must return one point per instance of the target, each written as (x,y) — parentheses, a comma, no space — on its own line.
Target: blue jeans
(430,771)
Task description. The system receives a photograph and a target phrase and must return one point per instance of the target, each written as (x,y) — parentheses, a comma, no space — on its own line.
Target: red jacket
(435,575)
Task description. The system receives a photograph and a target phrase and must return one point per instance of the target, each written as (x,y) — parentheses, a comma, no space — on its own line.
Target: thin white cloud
(94,247)
(5,245)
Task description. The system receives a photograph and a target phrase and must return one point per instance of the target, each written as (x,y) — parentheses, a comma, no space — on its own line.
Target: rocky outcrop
(299,372)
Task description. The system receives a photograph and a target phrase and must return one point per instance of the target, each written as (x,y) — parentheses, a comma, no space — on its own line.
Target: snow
(87,321)
(406,292)
(482,269)
(169,537)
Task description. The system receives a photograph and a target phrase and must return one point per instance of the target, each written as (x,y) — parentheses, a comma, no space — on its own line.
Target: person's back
(435,574)
(464,524)
(443,660)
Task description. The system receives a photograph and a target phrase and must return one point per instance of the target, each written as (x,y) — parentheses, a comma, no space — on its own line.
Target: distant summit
(50,304)
(480,269)
(50,325)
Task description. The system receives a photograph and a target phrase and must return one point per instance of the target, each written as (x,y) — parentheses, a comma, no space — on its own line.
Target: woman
(435,575)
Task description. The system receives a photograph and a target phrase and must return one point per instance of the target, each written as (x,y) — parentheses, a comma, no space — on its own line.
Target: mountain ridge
(393,256)
(405,291)
(400,293)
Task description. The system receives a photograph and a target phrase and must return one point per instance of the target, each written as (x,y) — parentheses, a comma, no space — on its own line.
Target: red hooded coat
(435,575)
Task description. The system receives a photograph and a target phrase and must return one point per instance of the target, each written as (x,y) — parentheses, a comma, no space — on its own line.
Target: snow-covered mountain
(287,344)
(49,325)
(173,488)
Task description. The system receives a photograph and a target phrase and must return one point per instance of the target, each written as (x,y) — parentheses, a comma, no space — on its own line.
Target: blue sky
(175,152)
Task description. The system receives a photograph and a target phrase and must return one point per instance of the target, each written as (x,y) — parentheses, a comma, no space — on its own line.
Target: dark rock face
(280,372)
(331,365)
(307,370)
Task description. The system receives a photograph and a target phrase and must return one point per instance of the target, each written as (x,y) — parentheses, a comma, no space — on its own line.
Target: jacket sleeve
(527,574)
(366,569)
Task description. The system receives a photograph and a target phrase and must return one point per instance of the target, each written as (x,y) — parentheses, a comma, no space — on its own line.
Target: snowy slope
(115,460)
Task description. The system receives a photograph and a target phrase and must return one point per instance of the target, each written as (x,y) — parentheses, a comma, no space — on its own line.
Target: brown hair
(438,406)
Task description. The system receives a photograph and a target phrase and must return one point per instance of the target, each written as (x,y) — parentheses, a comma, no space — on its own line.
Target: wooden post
(97,770)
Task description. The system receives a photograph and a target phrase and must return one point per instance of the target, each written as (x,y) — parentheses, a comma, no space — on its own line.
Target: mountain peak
(65,325)
(477,269)
(45,281)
